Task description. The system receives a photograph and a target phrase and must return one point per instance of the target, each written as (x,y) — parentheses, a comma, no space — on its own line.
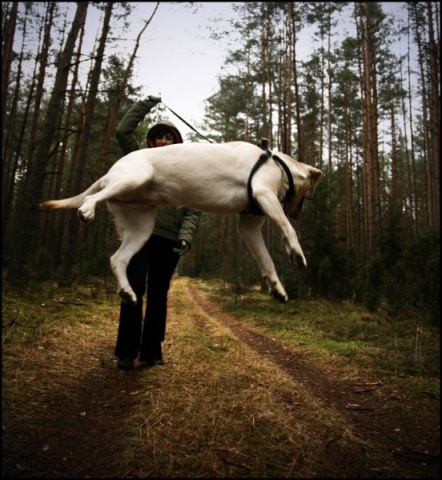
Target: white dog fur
(209,177)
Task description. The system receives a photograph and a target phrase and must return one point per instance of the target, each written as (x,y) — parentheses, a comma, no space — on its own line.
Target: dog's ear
(315,178)
(264,143)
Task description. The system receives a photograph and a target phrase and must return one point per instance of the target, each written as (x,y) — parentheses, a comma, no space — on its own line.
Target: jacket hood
(150,136)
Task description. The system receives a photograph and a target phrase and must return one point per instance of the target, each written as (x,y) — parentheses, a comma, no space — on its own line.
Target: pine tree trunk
(300,149)
(370,137)
(73,231)
(110,128)
(12,148)
(9,35)
(18,273)
(434,156)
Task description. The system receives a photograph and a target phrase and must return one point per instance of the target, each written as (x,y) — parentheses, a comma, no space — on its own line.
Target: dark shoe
(152,362)
(125,363)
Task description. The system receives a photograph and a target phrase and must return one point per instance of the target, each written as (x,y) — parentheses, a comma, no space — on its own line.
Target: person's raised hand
(151,101)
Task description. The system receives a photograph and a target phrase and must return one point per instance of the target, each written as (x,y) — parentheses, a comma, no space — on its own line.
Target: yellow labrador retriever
(234,177)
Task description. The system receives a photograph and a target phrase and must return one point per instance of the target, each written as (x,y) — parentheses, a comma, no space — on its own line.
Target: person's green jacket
(172,223)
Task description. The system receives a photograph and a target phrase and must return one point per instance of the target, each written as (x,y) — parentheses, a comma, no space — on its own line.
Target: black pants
(157,261)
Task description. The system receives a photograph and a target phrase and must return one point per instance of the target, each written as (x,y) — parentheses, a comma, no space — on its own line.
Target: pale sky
(181,63)
(177,59)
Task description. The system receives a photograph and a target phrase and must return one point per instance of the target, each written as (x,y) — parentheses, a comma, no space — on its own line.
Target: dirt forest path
(69,413)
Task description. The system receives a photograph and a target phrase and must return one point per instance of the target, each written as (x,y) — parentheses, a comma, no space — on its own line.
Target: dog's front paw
(127,297)
(300,261)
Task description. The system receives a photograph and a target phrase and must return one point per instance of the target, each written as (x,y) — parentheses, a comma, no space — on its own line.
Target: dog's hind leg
(115,184)
(250,229)
(135,225)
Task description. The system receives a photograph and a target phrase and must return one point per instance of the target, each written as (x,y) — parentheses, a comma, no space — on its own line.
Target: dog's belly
(225,195)
(215,202)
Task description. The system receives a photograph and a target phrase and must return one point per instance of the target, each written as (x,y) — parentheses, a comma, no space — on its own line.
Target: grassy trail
(221,406)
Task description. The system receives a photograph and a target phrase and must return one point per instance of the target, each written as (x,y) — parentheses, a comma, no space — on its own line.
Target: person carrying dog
(154,265)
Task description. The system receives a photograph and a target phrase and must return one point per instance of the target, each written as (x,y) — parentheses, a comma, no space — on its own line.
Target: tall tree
(225,110)
(18,272)
(11,156)
(434,157)
(322,13)
(79,162)
(7,51)
(294,19)
(347,114)
(417,13)
(411,152)
(265,72)
(61,161)
(368,79)
(110,127)
(39,89)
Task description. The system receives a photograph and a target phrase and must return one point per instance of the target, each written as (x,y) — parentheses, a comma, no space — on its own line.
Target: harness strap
(254,207)
(290,194)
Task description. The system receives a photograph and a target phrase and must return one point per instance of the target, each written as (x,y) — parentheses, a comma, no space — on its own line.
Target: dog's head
(312,181)
(305,177)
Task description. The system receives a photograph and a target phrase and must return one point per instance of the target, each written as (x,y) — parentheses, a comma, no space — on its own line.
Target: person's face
(163,138)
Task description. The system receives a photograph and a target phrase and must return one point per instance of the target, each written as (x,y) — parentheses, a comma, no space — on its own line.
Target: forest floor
(231,401)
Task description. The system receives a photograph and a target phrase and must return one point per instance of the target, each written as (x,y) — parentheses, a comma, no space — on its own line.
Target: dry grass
(342,334)
(47,373)
(216,409)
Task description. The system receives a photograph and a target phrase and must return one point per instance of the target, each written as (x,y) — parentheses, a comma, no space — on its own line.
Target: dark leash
(188,124)
(254,208)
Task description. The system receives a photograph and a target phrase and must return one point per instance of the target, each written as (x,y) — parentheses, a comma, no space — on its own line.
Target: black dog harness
(254,208)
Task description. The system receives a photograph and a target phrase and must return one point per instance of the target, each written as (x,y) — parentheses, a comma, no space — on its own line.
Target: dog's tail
(72,202)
